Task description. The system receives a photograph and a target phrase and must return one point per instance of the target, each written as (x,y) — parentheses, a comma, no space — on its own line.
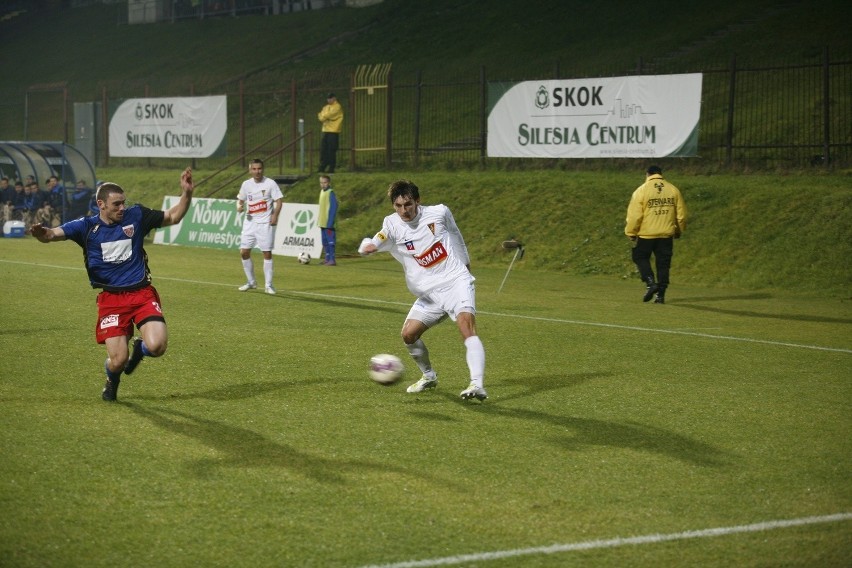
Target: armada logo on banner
(186,127)
(648,116)
(298,230)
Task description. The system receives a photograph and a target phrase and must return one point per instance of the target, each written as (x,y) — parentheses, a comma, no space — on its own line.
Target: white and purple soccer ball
(386,369)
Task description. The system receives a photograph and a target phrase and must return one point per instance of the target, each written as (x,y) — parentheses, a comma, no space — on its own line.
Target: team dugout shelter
(44,159)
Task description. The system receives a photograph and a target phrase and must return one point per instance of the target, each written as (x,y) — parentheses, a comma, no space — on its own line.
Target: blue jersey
(113,254)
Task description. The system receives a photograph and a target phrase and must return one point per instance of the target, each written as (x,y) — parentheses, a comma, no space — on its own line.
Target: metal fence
(752,117)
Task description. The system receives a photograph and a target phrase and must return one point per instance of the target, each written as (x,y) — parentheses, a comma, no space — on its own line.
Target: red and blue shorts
(119,311)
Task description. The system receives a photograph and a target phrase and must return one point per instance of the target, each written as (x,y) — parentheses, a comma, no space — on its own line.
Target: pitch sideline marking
(598,324)
(615,542)
(498,314)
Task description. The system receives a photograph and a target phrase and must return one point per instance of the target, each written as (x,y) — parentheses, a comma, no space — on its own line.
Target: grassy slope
(438,36)
(752,231)
(755,232)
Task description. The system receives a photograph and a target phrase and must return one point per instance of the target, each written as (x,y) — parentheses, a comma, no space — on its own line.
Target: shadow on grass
(36,330)
(243,448)
(591,432)
(543,385)
(234,392)
(750,314)
(342,303)
(335,286)
(434,416)
(752,296)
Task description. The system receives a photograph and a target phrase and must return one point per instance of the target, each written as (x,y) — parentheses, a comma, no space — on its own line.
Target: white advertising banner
(298,230)
(215,223)
(185,127)
(648,116)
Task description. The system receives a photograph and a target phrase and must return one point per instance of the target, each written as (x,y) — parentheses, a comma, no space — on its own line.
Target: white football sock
(475,359)
(267,272)
(248,268)
(420,354)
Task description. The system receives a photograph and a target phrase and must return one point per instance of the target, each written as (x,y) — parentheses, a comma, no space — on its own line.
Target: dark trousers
(662,249)
(328,237)
(328,151)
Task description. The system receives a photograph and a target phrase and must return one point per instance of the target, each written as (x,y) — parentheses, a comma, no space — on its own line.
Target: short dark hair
(654,170)
(403,188)
(257,161)
(106,188)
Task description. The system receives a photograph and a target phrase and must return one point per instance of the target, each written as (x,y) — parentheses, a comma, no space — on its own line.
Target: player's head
(106,188)
(325,181)
(403,188)
(654,170)
(405,197)
(111,199)
(256,169)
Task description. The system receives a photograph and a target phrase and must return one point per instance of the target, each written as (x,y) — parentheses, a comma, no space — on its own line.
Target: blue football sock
(111,375)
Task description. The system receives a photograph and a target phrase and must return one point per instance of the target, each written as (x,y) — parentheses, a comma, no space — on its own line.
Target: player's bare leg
(117,355)
(153,343)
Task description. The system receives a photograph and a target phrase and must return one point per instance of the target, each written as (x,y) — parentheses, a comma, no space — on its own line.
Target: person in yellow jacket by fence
(656,215)
(331,117)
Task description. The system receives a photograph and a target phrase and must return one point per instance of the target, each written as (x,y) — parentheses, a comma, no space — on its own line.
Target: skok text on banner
(648,116)
(185,127)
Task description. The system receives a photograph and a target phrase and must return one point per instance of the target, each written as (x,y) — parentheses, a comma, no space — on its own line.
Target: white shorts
(260,235)
(458,297)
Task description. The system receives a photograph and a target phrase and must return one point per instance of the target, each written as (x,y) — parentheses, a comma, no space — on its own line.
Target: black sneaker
(649,292)
(110,393)
(135,357)
(659,300)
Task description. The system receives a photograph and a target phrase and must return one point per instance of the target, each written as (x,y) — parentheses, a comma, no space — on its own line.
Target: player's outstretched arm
(367,247)
(176,213)
(46,234)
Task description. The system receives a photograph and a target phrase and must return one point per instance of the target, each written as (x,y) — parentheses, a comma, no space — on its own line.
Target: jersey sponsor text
(436,253)
(116,252)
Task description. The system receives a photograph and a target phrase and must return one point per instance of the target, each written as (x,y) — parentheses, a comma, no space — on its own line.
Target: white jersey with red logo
(259,198)
(430,248)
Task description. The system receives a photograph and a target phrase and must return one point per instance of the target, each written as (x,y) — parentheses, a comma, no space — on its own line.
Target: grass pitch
(258,439)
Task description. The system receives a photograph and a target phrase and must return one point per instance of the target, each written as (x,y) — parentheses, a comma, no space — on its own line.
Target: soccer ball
(386,369)
(304,258)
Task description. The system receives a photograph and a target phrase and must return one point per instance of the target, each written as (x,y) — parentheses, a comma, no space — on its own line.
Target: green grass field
(258,439)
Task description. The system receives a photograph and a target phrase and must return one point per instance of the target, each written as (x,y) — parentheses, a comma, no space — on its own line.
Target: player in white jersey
(427,242)
(260,197)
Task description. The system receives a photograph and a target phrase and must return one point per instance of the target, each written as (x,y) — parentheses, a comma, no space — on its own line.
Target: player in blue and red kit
(116,261)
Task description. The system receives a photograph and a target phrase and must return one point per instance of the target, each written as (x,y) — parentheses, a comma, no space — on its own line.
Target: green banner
(209,223)
(215,223)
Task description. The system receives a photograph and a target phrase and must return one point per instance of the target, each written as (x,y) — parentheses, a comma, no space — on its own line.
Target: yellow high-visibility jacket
(331,117)
(656,210)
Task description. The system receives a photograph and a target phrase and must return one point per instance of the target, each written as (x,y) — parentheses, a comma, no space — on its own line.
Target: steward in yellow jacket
(656,215)
(331,118)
